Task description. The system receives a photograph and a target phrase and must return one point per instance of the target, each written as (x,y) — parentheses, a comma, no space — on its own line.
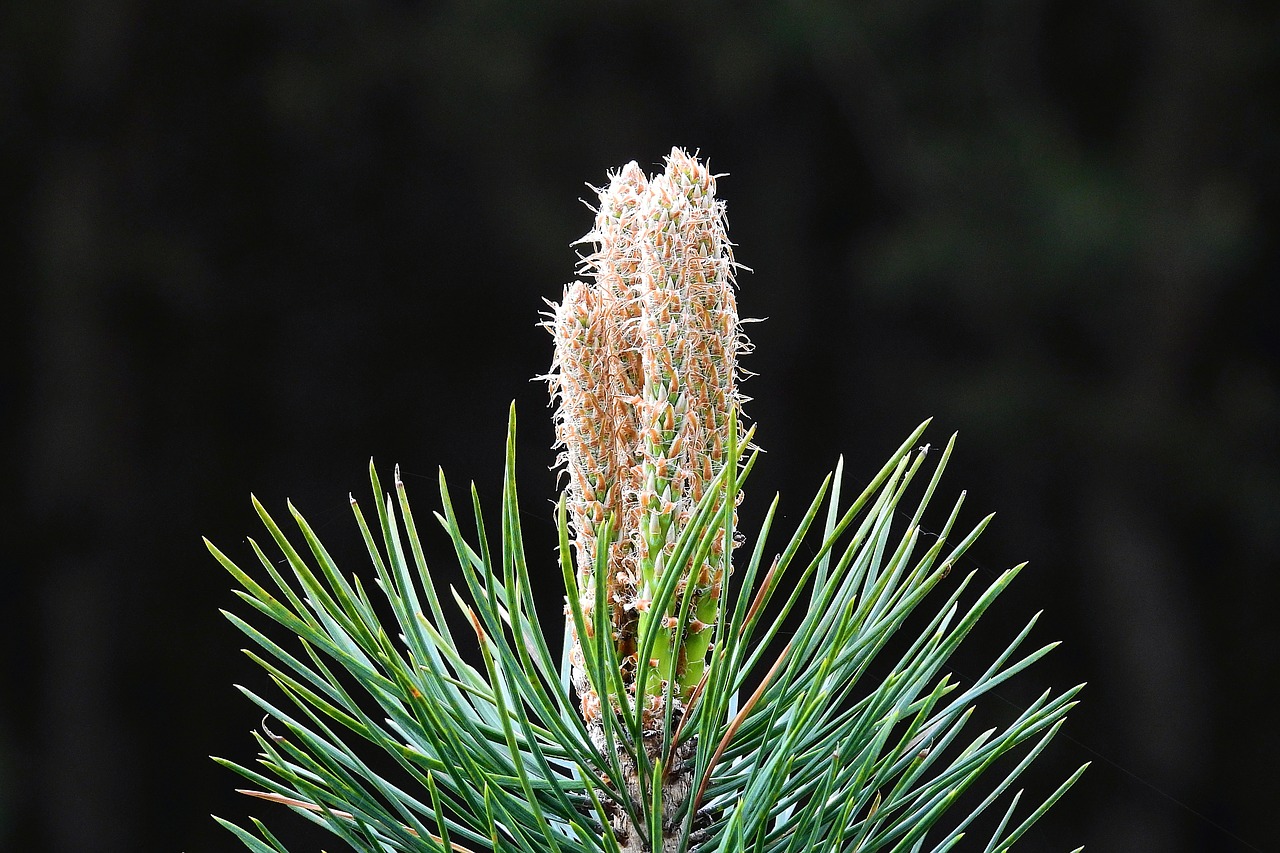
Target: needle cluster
(680,715)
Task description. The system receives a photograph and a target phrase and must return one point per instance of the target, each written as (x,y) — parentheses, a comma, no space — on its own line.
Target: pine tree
(673,719)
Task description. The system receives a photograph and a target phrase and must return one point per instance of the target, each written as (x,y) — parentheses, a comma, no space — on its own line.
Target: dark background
(247,245)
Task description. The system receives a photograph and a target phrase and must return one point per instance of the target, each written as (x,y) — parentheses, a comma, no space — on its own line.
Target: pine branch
(633,738)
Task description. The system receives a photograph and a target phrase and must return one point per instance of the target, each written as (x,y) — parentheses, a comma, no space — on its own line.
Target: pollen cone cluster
(645,378)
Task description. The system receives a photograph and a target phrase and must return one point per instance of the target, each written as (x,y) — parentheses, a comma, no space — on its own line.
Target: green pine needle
(391,741)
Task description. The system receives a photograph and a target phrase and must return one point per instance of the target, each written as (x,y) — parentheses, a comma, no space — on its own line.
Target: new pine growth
(645,377)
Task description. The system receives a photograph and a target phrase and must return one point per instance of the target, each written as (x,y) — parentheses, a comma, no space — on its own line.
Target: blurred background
(246,246)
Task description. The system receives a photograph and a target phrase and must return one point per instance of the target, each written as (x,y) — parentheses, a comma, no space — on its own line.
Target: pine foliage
(773,735)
